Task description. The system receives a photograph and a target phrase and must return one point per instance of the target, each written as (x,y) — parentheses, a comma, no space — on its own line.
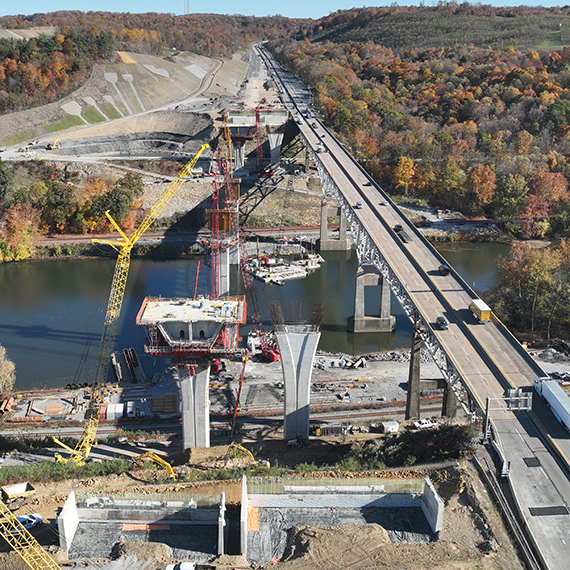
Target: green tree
(449,188)
(5,180)
(510,197)
(558,116)
(7,373)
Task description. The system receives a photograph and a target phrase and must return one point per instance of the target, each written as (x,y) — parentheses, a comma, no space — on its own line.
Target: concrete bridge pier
(194,381)
(360,322)
(238,151)
(275,140)
(449,405)
(224,277)
(297,344)
(413,395)
(325,243)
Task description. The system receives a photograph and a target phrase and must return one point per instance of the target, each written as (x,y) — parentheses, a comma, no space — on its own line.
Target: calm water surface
(52,311)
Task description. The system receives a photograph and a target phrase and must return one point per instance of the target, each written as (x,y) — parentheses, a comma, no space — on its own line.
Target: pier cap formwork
(200,327)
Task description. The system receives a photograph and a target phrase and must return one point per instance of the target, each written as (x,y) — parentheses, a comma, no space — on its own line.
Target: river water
(52,310)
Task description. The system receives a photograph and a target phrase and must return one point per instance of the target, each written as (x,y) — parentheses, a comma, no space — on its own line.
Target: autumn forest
(458,106)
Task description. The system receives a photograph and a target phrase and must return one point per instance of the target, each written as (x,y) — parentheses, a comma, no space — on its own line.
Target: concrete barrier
(67,522)
(432,506)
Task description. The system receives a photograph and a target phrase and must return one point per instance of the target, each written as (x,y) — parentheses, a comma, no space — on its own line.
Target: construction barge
(277,270)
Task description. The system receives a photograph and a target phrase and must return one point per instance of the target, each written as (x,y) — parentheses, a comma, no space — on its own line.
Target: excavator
(233,445)
(158,460)
(55,144)
(123,246)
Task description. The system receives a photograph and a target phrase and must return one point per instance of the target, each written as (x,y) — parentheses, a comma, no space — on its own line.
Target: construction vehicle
(252,460)
(23,543)
(123,247)
(55,144)
(158,460)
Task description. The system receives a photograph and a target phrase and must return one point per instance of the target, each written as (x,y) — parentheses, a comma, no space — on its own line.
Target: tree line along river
(52,311)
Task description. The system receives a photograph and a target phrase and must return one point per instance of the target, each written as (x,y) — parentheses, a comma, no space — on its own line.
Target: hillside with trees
(446,25)
(478,129)
(44,69)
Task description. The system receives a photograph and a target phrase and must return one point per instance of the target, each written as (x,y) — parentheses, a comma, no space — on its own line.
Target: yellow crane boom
(23,543)
(123,247)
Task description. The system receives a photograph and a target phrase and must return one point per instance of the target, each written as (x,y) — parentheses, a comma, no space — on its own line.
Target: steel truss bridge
(484,360)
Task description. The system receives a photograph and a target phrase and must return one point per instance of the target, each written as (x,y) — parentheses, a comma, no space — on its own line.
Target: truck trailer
(556,398)
(480,310)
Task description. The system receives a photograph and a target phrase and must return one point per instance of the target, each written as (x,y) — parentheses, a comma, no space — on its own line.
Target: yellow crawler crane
(23,543)
(123,247)
(158,460)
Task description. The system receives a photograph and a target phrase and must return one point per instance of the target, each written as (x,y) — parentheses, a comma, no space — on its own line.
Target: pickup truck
(425,424)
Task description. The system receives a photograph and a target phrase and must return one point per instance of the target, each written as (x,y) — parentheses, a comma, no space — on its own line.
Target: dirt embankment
(473,537)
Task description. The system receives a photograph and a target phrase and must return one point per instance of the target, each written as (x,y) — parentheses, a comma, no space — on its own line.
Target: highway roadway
(487,357)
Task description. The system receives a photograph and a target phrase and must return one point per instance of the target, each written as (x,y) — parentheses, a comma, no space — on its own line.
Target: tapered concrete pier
(194,382)
(297,345)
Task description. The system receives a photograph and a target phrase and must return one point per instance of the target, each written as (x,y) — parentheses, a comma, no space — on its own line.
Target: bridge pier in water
(330,244)
(360,322)
(194,381)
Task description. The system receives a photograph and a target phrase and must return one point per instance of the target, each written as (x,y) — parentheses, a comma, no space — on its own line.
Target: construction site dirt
(472,537)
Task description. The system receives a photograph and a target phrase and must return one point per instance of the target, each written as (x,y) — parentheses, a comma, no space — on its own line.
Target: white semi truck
(556,398)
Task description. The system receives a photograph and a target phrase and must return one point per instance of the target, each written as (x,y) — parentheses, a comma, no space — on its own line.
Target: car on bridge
(358,206)
(441,323)
(443,269)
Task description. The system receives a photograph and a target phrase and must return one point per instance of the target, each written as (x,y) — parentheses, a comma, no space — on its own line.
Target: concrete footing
(360,322)
(272,507)
(297,345)
(194,382)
